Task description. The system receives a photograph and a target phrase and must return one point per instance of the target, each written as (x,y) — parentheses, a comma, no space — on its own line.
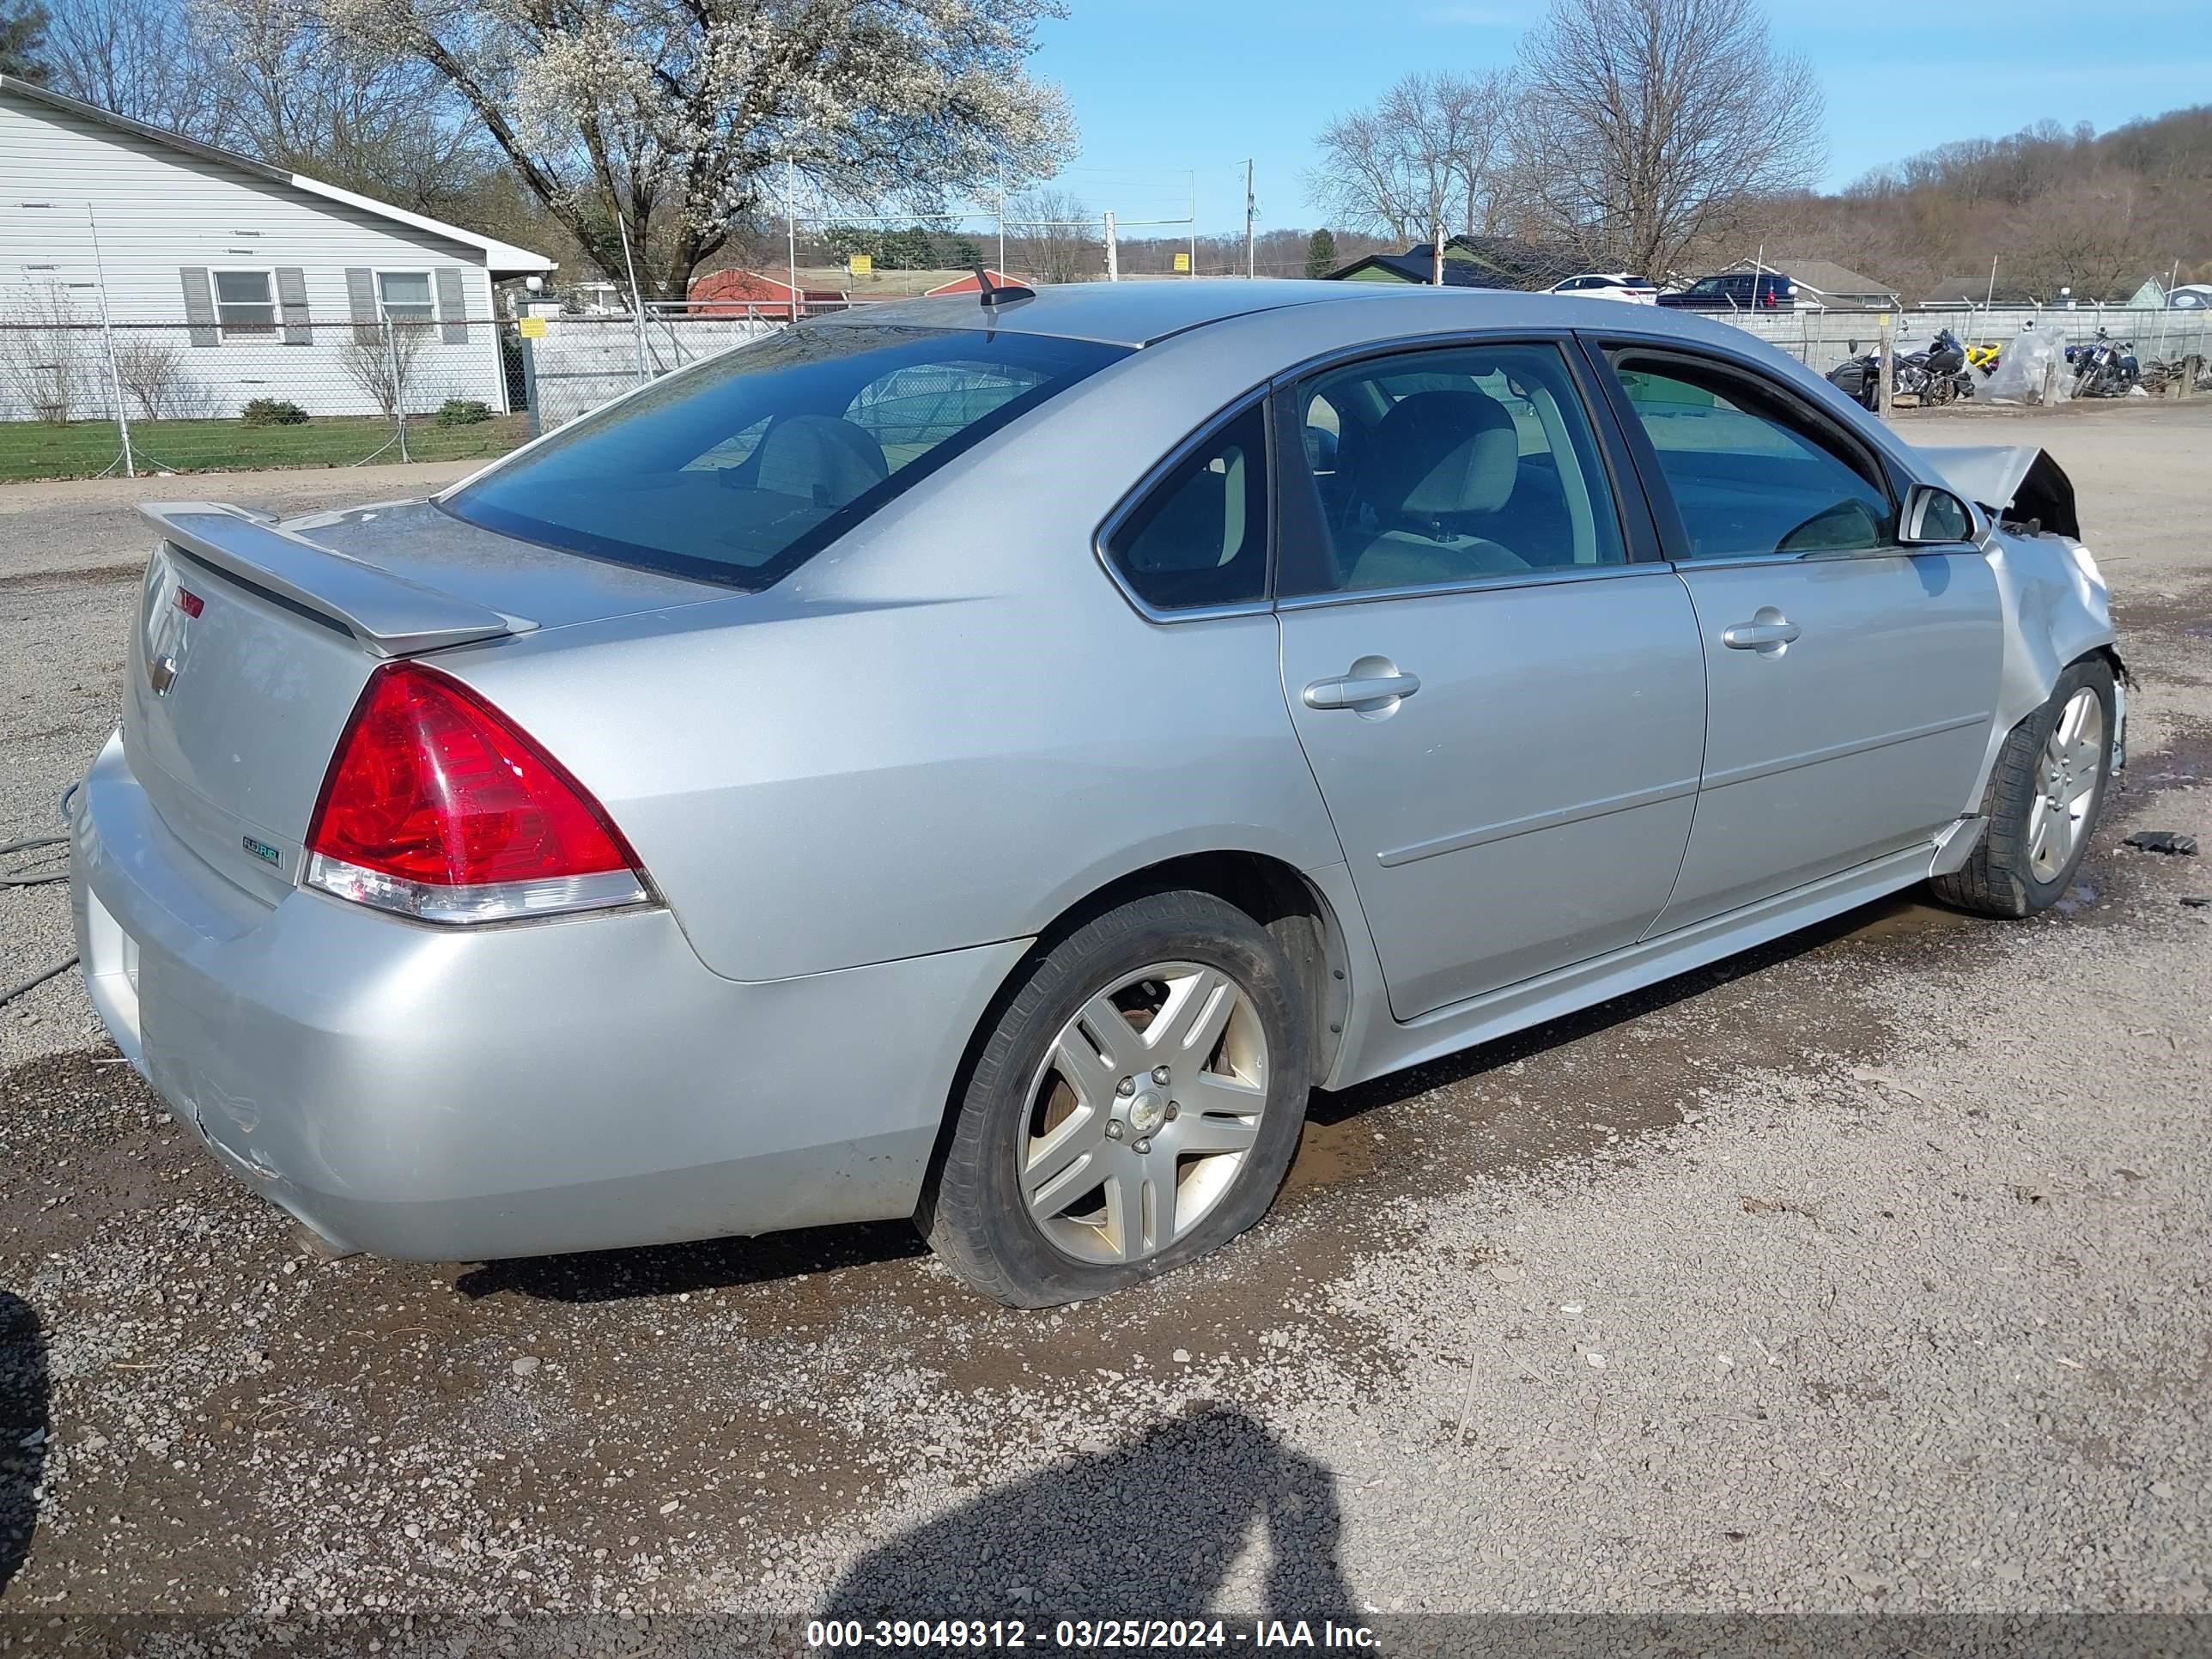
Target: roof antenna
(992,293)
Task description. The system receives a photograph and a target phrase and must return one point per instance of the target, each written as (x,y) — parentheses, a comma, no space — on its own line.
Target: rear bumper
(468,1094)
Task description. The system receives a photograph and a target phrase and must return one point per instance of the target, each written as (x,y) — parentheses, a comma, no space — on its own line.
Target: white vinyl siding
(169,220)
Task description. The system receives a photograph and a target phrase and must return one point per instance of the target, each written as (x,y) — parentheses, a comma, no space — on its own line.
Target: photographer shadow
(1149,1528)
(24,1426)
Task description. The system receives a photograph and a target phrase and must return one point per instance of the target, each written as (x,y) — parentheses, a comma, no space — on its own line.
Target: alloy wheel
(2067,773)
(1143,1112)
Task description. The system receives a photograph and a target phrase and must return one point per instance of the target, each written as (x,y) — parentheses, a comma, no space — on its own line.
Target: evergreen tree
(1321,254)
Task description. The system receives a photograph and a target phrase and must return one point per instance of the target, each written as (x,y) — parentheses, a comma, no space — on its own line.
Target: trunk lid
(253,639)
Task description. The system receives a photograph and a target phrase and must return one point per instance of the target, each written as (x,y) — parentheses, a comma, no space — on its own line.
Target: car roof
(1129,313)
(1146,313)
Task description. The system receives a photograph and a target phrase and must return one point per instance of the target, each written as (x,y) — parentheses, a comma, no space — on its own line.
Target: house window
(405,296)
(244,304)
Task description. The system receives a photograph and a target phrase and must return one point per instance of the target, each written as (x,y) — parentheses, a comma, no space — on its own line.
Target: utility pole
(1113,258)
(791,228)
(1002,221)
(1250,209)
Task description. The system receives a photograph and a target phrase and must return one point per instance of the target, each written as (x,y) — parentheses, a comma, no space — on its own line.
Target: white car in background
(1610,285)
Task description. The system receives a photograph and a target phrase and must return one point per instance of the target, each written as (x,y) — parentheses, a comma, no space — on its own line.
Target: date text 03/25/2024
(1086,1634)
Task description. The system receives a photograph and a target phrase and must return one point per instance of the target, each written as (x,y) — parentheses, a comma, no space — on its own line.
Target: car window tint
(1449,466)
(1199,535)
(1749,472)
(740,468)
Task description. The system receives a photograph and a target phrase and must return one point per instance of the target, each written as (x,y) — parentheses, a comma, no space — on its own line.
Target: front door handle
(1358,690)
(1768,631)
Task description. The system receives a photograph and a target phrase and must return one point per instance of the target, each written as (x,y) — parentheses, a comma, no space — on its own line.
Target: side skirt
(1516,1007)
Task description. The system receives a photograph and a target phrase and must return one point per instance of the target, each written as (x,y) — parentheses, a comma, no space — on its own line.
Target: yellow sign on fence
(531,328)
(1182,262)
(861,264)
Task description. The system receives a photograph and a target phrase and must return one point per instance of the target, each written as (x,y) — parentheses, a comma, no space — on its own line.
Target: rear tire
(2044,795)
(1134,1105)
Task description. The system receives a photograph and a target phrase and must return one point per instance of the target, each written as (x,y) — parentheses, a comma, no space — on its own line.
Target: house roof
(1825,277)
(1414,267)
(1499,262)
(503,258)
(1974,291)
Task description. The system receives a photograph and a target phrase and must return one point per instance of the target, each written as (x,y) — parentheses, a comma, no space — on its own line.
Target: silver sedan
(987,761)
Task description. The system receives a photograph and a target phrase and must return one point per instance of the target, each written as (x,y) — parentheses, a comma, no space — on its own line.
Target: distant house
(1955,291)
(2151,296)
(1827,283)
(1495,261)
(245,280)
(758,293)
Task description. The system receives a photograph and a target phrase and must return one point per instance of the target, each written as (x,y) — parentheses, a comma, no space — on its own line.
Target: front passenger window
(1749,473)
(1199,536)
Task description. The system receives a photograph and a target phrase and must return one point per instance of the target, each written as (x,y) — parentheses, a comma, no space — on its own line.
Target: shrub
(271,412)
(463,411)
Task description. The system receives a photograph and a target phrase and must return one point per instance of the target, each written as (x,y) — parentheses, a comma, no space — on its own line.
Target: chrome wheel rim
(2067,772)
(1143,1113)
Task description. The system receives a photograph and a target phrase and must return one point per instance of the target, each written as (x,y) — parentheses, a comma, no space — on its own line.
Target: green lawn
(82,449)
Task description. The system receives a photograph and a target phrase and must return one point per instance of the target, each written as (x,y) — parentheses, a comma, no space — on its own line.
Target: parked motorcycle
(2105,368)
(1930,377)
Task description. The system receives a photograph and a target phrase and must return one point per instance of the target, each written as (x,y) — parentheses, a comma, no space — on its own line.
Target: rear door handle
(1771,628)
(1355,692)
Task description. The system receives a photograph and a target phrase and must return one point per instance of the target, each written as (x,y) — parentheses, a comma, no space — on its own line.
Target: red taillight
(432,788)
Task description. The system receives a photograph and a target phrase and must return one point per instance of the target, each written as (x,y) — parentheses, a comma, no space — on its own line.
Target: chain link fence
(82,399)
(571,365)
(1823,339)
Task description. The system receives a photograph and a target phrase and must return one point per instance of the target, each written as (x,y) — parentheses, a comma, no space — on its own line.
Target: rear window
(739,471)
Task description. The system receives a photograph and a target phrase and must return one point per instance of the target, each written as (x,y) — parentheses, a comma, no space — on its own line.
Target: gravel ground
(1864,1274)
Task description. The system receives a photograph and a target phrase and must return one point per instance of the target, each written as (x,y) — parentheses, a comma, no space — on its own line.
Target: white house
(232,278)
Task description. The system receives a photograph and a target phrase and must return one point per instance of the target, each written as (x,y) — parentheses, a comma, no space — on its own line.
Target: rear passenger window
(1750,472)
(1451,465)
(1199,536)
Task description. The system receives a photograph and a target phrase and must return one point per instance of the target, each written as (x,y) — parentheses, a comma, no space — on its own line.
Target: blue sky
(1165,88)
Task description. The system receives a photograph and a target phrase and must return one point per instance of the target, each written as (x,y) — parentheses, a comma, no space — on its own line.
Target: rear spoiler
(390,615)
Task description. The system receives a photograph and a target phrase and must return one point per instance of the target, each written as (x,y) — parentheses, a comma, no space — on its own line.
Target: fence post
(398,389)
(530,385)
(1889,378)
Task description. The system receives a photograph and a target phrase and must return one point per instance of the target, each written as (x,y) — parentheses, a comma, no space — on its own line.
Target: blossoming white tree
(683,115)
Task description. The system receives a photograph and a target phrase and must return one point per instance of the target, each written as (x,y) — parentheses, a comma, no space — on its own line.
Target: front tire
(1134,1105)
(2042,801)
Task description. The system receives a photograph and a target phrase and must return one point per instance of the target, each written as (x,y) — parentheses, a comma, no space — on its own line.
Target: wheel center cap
(1148,1110)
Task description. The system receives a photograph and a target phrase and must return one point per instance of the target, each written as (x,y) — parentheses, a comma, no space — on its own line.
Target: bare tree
(1049,238)
(273,79)
(45,367)
(1429,158)
(152,370)
(381,362)
(1649,125)
(146,59)
(2090,236)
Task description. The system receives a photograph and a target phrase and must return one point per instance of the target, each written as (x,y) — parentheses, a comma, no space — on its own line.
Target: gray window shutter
(361,297)
(199,305)
(452,310)
(292,305)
